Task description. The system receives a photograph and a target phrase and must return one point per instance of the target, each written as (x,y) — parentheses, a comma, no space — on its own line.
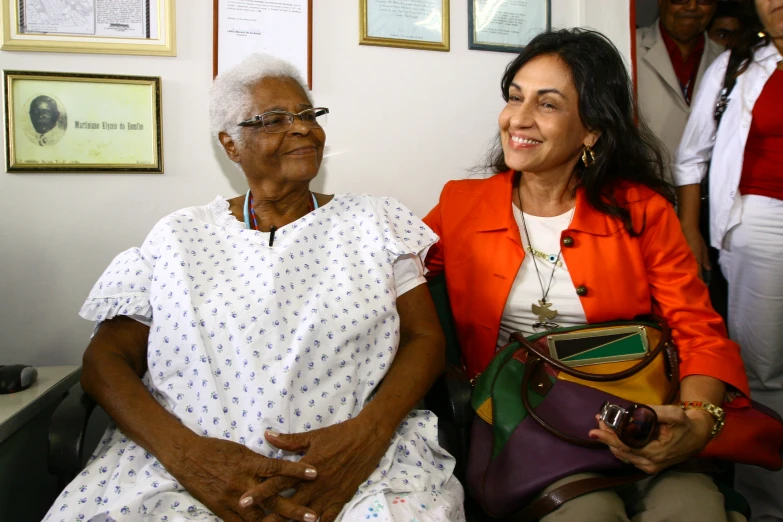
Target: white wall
(402,123)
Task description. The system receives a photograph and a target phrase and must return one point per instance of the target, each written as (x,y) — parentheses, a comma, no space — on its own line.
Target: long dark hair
(625,151)
(752,37)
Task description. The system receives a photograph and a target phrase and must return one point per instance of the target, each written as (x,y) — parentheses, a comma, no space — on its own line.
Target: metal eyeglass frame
(258,119)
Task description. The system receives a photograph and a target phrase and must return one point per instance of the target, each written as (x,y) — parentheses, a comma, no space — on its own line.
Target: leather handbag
(533,415)
(534,411)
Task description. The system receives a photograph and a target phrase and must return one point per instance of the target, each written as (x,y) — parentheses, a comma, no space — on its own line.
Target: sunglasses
(635,426)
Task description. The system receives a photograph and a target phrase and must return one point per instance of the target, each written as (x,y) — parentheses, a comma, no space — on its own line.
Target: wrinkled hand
(345,455)
(699,248)
(217,472)
(681,434)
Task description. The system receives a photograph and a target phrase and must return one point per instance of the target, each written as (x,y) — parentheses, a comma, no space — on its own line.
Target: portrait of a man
(48,119)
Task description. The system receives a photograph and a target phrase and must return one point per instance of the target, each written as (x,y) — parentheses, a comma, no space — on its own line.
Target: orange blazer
(618,276)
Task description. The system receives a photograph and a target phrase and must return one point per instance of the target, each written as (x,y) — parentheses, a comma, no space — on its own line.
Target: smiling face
(771,14)
(292,156)
(687,21)
(540,127)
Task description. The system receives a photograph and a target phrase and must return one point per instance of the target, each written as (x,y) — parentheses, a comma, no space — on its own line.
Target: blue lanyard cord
(247,209)
(248,212)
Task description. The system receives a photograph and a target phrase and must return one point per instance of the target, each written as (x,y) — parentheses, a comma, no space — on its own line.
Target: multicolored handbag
(536,402)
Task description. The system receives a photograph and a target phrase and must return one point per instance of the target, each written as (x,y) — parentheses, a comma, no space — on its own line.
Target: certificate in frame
(66,122)
(408,24)
(143,27)
(287,34)
(506,25)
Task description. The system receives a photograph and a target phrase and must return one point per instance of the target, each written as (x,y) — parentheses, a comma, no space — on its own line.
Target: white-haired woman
(251,331)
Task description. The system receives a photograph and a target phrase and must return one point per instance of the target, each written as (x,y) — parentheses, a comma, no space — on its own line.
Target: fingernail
(246,502)
(273,433)
(309,517)
(593,436)
(311,473)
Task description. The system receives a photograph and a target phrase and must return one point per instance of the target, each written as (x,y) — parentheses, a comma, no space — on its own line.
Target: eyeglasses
(634,426)
(280,121)
(700,2)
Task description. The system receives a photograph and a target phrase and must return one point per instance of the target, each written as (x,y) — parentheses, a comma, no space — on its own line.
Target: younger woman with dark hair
(744,157)
(577,227)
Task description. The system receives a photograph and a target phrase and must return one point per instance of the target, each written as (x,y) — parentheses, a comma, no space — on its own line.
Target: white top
(245,337)
(727,150)
(526,290)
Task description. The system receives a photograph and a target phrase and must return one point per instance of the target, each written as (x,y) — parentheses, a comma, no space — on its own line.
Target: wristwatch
(716,411)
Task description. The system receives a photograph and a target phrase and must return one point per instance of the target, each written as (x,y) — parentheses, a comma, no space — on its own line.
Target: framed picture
(506,25)
(282,29)
(64,122)
(411,24)
(89,26)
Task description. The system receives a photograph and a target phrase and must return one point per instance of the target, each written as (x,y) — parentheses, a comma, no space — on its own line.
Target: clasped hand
(344,454)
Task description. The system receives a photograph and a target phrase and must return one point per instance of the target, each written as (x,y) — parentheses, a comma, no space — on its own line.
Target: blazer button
(568,241)
(581,290)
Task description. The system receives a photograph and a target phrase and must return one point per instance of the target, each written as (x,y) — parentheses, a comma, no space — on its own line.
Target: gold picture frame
(70,122)
(377,17)
(153,29)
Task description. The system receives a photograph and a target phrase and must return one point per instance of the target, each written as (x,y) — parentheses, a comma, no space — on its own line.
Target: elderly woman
(577,227)
(251,331)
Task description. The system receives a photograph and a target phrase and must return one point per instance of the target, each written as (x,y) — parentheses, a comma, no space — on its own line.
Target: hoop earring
(588,156)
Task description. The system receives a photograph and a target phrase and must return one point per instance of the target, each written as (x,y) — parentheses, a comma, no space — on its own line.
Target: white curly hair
(229,97)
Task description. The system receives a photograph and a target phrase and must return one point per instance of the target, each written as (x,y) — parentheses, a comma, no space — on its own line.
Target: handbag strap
(534,358)
(532,362)
(664,343)
(549,502)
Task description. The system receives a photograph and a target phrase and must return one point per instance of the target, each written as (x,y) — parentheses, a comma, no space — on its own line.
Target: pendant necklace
(543,309)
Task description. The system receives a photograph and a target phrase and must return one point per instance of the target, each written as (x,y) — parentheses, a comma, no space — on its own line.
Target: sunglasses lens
(639,428)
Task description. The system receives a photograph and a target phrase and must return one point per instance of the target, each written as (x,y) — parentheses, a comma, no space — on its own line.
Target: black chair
(69,444)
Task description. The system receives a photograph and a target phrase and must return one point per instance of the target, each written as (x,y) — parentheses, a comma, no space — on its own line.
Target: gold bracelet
(716,411)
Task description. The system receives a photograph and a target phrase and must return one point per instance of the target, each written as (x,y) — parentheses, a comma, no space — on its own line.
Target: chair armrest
(67,431)
(449,397)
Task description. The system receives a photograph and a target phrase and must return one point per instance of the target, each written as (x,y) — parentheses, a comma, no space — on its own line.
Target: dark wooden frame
(499,48)
(309,41)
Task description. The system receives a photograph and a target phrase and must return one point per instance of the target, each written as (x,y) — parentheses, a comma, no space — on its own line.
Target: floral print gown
(245,337)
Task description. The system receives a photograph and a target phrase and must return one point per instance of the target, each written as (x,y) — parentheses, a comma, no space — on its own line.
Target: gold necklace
(543,309)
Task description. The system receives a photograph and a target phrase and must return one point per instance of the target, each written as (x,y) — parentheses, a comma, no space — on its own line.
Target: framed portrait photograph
(506,25)
(65,122)
(144,27)
(282,29)
(410,24)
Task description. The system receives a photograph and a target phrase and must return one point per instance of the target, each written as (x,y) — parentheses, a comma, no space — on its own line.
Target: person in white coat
(672,55)
(744,156)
